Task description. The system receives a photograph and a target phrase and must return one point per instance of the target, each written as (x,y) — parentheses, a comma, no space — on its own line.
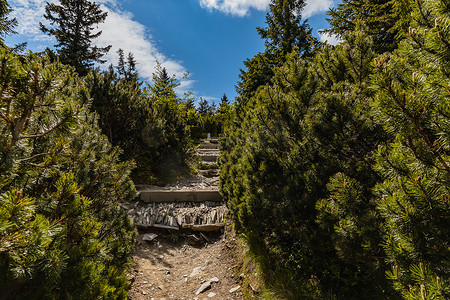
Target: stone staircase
(194,203)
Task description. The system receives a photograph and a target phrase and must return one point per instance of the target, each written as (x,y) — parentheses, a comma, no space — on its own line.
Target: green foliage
(413,105)
(121,110)
(285,29)
(6,24)
(167,132)
(387,21)
(152,125)
(337,168)
(62,232)
(285,32)
(211,119)
(278,173)
(73,22)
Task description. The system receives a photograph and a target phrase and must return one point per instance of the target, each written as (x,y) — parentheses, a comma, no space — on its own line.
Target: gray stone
(232,290)
(205,286)
(148,237)
(195,272)
(214,279)
(210,295)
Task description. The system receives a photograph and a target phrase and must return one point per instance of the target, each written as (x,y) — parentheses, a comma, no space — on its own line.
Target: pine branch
(31,157)
(56,126)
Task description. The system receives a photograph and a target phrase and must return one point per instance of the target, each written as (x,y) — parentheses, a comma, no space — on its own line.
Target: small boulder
(149,237)
(205,286)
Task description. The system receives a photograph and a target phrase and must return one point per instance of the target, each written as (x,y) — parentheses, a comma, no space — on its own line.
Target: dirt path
(167,269)
(187,265)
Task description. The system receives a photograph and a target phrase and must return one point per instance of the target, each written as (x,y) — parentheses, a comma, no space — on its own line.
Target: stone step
(204,216)
(214,151)
(212,195)
(213,140)
(210,173)
(208,146)
(209,158)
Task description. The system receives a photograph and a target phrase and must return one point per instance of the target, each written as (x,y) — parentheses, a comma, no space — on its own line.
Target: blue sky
(210,39)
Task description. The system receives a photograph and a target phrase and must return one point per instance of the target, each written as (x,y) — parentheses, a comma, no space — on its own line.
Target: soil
(175,265)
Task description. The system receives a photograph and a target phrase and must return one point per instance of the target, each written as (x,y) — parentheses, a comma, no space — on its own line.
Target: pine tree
(74,22)
(115,98)
(6,24)
(285,32)
(284,164)
(167,132)
(412,103)
(285,29)
(203,107)
(387,21)
(224,115)
(63,234)
(127,69)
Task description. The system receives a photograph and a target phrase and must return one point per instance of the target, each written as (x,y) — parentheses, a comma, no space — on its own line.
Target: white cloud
(235,7)
(314,7)
(118,30)
(329,38)
(121,31)
(242,7)
(29,13)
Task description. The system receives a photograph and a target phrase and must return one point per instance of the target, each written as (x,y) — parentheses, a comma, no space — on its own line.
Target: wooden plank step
(180,196)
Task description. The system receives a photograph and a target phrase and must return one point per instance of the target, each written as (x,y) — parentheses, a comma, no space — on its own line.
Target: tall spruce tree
(73,24)
(387,21)
(285,31)
(6,24)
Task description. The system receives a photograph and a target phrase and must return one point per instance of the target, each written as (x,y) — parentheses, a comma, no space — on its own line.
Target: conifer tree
(413,105)
(224,114)
(387,21)
(284,32)
(126,69)
(63,234)
(115,98)
(203,107)
(6,24)
(285,29)
(310,130)
(73,24)
(167,132)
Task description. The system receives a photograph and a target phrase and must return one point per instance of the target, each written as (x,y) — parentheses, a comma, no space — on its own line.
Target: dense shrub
(62,232)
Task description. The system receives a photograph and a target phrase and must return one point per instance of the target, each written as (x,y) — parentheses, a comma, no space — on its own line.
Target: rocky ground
(182,263)
(186,266)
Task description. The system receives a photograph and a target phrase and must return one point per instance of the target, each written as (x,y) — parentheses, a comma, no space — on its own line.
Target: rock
(214,279)
(148,237)
(210,295)
(205,286)
(205,228)
(204,237)
(232,290)
(193,239)
(165,227)
(195,272)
